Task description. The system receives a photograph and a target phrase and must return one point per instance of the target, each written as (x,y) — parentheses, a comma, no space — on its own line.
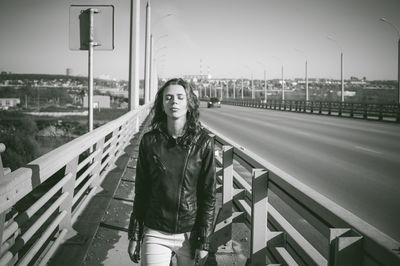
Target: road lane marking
(369,150)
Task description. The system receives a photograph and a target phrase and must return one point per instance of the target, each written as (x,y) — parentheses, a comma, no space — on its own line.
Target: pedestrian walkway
(100,233)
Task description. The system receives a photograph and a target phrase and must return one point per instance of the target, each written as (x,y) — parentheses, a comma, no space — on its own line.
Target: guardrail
(387,112)
(290,223)
(41,201)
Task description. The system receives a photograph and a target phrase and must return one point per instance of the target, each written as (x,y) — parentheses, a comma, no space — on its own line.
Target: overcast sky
(231,38)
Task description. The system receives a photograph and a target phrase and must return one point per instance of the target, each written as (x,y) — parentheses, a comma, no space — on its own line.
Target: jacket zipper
(160,162)
(180,186)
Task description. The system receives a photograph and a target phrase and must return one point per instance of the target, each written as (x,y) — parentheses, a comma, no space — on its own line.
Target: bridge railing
(41,201)
(290,223)
(389,112)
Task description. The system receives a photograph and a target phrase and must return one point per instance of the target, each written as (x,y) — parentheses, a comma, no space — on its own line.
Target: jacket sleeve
(206,198)
(136,223)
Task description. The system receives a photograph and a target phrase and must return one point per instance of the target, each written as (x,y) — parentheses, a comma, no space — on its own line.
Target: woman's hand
(200,257)
(134,250)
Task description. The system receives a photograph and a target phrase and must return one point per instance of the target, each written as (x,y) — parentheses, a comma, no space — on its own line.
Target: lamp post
(134,37)
(306,74)
(398,57)
(341,66)
(233,81)
(265,81)
(151,80)
(242,88)
(252,82)
(147,57)
(283,81)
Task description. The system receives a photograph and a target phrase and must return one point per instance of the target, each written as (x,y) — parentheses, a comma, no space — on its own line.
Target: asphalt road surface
(353,162)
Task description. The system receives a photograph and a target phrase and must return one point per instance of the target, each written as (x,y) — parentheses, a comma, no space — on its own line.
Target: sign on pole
(91,27)
(79,27)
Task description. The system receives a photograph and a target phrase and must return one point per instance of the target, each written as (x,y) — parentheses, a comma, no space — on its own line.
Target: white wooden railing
(290,223)
(41,201)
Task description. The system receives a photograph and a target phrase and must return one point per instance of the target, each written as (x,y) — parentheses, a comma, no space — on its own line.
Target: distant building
(6,103)
(195,78)
(99,101)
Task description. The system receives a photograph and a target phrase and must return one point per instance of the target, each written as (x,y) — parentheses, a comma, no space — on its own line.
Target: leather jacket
(175,187)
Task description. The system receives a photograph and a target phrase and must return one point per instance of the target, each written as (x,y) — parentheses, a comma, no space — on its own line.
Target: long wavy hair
(192,125)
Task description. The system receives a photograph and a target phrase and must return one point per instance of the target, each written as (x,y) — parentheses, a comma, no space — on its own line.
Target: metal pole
(151,71)
(341,74)
(90,70)
(283,87)
(398,72)
(242,88)
(265,85)
(252,87)
(134,55)
(147,56)
(398,57)
(306,83)
(234,89)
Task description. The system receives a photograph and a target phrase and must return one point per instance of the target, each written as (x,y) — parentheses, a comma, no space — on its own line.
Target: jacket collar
(185,141)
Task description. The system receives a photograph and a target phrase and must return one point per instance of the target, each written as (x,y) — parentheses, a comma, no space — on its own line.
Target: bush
(18,134)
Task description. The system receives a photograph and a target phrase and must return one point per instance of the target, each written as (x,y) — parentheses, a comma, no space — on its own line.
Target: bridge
(72,205)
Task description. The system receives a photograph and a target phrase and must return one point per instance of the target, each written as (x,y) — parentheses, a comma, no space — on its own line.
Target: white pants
(157,248)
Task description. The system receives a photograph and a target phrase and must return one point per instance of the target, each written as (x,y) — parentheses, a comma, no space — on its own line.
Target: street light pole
(265,81)
(134,55)
(252,86)
(306,74)
(341,67)
(252,82)
(307,97)
(242,88)
(234,89)
(341,76)
(283,81)
(147,56)
(283,86)
(398,57)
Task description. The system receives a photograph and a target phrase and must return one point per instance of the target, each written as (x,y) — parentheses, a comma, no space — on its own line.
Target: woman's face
(175,101)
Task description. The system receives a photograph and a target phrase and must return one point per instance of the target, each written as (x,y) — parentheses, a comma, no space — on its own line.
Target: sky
(227,38)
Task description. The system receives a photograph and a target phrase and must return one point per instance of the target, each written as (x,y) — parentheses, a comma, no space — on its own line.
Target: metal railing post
(223,228)
(70,168)
(259,216)
(345,247)
(2,174)
(98,158)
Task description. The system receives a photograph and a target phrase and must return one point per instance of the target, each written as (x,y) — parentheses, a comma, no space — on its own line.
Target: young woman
(174,203)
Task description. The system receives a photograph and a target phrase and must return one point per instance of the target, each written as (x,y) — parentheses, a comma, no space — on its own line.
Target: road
(355,163)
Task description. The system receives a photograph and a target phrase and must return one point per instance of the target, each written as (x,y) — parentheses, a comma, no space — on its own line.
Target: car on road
(214,102)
